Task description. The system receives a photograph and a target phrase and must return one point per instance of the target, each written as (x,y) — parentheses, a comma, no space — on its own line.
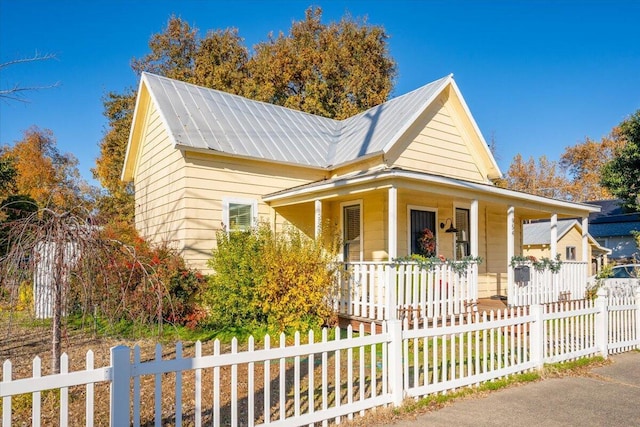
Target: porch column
(393,223)
(511,218)
(473,228)
(585,241)
(318,217)
(554,236)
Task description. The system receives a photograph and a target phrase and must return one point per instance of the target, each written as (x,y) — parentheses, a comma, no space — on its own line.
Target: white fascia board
(432,179)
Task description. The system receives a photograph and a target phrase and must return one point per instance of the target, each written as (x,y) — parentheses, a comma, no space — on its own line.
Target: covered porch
(477,234)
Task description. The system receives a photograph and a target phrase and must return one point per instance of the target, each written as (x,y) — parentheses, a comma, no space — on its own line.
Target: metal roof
(209,119)
(539,233)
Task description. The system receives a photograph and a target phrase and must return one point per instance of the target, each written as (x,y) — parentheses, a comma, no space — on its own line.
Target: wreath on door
(427,243)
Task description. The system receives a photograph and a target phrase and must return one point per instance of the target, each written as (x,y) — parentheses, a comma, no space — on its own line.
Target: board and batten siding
(211,178)
(439,147)
(159,185)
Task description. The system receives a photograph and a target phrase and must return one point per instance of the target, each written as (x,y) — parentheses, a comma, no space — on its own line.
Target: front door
(420,221)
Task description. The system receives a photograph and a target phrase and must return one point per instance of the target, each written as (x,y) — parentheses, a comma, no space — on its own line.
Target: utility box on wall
(521,274)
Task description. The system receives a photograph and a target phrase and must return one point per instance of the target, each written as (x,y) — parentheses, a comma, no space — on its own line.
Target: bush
(283,280)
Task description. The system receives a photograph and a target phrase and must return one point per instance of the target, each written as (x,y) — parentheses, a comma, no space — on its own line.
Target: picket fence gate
(334,378)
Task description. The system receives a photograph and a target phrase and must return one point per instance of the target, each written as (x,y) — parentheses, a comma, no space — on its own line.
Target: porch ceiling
(528,205)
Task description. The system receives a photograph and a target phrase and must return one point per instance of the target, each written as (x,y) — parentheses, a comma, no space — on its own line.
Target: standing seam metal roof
(203,118)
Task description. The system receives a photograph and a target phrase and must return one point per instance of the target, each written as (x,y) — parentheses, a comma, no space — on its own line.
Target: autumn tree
(621,176)
(117,203)
(543,178)
(43,173)
(221,61)
(172,53)
(335,70)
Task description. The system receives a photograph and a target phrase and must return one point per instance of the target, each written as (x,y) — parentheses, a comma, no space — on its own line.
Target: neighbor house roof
(208,119)
(613,220)
(539,233)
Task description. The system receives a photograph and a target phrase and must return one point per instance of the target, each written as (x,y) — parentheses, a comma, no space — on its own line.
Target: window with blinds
(463,247)
(351,232)
(240,216)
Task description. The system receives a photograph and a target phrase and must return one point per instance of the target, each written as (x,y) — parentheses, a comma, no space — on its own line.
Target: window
(463,247)
(352,230)
(239,214)
(571,253)
(419,221)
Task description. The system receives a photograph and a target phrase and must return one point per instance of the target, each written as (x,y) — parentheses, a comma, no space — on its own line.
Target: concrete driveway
(607,396)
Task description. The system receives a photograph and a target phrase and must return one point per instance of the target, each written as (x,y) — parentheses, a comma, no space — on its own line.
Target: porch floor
(484,305)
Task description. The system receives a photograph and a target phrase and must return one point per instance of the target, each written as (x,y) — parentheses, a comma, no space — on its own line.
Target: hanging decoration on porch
(427,243)
(541,264)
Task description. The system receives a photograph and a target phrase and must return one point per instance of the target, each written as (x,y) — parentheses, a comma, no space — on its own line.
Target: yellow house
(537,243)
(202,159)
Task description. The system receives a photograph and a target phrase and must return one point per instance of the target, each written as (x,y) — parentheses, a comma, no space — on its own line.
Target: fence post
(536,335)
(602,322)
(392,291)
(638,317)
(120,377)
(394,373)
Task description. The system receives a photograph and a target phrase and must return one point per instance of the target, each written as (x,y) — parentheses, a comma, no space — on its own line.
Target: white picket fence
(544,287)
(371,290)
(337,377)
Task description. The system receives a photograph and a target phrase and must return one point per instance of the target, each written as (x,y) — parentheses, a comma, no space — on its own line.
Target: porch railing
(570,283)
(371,290)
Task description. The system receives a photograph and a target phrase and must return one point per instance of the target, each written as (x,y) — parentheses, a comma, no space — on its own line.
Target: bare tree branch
(16,91)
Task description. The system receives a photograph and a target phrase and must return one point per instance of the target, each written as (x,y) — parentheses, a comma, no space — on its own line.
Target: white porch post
(393,223)
(554,236)
(585,241)
(473,228)
(318,217)
(392,249)
(511,218)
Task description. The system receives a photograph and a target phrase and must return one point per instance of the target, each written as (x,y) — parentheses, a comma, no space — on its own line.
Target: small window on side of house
(571,253)
(239,214)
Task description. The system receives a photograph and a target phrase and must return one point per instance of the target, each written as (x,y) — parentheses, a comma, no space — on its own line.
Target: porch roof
(420,181)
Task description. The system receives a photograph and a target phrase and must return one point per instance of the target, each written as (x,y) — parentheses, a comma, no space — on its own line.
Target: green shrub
(282,280)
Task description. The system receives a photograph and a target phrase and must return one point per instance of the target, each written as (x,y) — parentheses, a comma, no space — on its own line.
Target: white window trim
(435,232)
(226,201)
(342,206)
(467,207)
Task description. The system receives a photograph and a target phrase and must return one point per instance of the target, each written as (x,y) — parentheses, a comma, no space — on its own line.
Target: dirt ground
(20,344)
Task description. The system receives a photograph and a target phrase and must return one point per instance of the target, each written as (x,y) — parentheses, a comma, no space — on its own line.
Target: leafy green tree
(621,176)
(7,176)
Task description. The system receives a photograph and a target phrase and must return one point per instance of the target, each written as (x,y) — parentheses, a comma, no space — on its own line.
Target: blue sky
(538,76)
